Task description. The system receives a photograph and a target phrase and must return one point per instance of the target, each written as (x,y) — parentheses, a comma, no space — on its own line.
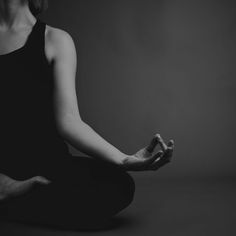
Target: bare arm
(73,129)
(61,51)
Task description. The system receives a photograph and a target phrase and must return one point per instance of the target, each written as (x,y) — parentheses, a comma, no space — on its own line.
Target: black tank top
(30,142)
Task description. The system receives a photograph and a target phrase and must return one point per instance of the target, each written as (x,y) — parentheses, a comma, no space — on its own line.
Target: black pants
(83,195)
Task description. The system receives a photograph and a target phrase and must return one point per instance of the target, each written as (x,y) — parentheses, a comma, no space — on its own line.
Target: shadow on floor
(12,228)
(165,208)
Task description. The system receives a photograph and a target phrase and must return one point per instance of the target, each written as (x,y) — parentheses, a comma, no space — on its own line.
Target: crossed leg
(85,194)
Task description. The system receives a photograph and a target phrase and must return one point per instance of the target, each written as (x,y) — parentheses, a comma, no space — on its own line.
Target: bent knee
(127,189)
(131,188)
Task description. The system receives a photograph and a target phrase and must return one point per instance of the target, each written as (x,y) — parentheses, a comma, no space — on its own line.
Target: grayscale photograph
(118,117)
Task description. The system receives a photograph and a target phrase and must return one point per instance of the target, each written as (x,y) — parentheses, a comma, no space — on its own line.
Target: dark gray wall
(158,66)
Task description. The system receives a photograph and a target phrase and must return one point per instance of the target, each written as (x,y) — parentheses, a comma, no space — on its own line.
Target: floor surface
(166,208)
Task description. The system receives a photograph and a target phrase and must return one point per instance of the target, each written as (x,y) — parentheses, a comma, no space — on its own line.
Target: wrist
(121,161)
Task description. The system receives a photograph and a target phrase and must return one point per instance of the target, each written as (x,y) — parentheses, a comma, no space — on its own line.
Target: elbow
(62,130)
(67,125)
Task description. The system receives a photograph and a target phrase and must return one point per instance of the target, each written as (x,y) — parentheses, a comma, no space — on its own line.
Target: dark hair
(37,6)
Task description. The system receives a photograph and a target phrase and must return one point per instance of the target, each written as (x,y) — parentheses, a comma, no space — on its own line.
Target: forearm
(81,136)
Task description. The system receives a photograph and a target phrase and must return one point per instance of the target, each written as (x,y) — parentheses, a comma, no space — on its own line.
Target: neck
(14,13)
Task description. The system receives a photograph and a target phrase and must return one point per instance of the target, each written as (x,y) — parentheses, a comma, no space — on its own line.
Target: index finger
(162,143)
(150,148)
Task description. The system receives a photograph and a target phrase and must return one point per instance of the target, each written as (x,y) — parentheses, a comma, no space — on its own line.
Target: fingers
(165,158)
(144,161)
(161,142)
(171,143)
(150,160)
(159,163)
(170,149)
(158,139)
(161,158)
(150,148)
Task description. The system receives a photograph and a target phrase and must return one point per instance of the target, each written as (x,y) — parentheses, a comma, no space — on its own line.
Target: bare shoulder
(58,36)
(58,42)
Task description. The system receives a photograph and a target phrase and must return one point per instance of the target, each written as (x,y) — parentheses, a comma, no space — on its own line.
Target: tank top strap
(36,40)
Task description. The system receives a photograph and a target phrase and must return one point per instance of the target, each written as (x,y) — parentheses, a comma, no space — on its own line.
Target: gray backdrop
(147,66)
